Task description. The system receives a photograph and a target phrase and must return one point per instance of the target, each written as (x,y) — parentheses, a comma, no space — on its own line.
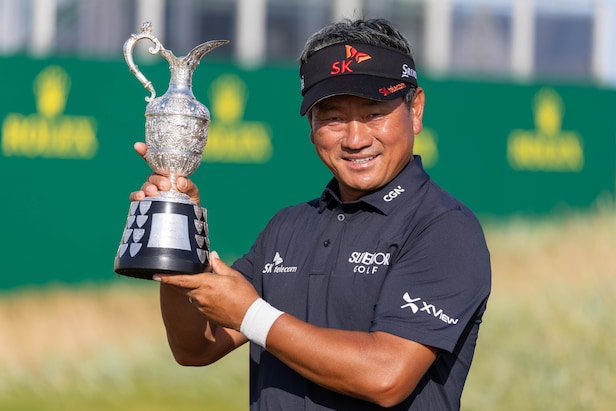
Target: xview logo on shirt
(429,309)
(276,266)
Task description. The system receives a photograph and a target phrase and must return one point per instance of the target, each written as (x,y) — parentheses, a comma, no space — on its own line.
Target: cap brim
(367,86)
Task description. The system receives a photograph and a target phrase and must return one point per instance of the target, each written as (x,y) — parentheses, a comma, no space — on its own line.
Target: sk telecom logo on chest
(276,266)
(352,56)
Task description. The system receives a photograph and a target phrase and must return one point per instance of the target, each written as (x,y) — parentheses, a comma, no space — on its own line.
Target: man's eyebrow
(328,105)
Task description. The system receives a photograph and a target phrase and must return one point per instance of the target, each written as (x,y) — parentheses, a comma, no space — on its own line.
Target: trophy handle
(146,33)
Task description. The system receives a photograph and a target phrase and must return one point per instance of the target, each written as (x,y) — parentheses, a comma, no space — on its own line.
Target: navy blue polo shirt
(408,259)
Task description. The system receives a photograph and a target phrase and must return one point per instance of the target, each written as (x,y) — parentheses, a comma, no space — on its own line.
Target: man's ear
(309,118)
(417,110)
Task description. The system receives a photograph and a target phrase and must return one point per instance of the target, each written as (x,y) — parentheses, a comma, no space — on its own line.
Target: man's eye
(330,119)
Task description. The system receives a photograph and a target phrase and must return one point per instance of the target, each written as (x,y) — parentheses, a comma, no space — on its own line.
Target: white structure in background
(251,32)
(604,41)
(43,32)
(32,26)
(523,34)
(437,40)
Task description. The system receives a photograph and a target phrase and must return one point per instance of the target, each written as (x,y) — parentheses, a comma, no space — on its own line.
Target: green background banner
(68,166)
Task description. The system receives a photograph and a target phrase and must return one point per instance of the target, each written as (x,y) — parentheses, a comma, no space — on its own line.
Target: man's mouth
(361,160)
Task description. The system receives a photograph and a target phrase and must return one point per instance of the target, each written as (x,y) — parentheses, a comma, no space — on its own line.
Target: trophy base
(163,236)
(145,268)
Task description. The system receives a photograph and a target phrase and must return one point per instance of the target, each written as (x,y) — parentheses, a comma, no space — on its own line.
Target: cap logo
(351,55)
(386,91)
(408,72)
(376,72)
(351,52)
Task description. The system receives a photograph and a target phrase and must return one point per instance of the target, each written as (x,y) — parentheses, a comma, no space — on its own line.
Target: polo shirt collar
(404,185)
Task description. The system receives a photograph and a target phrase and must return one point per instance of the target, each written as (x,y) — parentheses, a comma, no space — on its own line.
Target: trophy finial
(146,27)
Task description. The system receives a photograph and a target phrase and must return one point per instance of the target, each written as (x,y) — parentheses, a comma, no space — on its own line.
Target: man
(370,296)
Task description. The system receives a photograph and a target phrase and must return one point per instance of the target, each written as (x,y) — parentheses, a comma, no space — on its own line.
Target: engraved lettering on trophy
(199,226)
(133,207)
(126,236)
(138,234)
(169,231)
(144,206)
(141,220)
(134,249)
(200,240)
(198,212)
(202,254)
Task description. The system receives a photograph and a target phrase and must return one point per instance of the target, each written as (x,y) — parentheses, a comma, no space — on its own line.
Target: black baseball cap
(360,69)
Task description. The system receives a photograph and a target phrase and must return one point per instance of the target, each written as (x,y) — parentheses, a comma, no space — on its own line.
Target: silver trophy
(168,233)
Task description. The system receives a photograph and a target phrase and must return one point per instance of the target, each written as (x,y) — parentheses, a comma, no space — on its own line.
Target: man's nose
(357,135)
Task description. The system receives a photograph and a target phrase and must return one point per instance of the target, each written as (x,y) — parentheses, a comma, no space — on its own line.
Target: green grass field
(546,342)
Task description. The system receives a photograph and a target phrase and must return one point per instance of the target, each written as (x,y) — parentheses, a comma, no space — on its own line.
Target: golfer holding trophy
(168,233)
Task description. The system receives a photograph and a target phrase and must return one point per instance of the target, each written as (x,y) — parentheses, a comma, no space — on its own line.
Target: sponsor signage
(68,127)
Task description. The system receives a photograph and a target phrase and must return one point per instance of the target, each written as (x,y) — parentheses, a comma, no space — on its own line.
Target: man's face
(365,143)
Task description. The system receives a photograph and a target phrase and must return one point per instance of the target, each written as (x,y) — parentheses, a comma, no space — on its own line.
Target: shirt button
(326,243)
(340,217)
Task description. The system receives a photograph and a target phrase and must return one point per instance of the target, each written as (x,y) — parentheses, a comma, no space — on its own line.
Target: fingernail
(156,277)
(182,184)
(214,254)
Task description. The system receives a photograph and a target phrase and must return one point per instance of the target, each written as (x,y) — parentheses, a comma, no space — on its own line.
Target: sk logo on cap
(352,54)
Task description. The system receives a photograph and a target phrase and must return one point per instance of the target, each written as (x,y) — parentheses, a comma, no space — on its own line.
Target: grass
(547,339)
(546,342)
(103,348)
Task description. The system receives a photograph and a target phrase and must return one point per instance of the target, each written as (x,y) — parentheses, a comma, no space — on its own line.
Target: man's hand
(223,295)
(158,183)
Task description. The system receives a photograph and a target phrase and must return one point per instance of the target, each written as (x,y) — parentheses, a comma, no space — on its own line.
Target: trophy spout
(183,68)
(195,55)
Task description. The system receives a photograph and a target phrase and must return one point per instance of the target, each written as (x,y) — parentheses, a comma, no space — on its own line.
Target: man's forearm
(376,367)
(193,339)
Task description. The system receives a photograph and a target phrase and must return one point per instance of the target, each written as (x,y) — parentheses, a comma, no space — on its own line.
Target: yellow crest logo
(230,138)
(548,147)
(51,89)
(49,132)
(426,145)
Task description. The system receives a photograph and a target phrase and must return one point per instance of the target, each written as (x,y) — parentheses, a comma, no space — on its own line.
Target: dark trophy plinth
(168,233)
(163,237)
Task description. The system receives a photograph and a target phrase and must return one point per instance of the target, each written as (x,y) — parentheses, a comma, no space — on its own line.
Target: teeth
(362,160)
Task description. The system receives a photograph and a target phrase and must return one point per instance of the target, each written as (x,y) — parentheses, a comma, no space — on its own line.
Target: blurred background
(520,124)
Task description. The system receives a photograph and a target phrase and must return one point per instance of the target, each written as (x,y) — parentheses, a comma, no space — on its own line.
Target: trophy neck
(174,196)
(180,88)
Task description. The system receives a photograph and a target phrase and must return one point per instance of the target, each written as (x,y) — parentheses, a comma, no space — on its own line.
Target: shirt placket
(326,253)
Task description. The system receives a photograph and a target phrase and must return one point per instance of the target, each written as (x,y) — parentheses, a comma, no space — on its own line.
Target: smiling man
(371,295)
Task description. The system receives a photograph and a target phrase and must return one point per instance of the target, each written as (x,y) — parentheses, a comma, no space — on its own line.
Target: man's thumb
(218,266)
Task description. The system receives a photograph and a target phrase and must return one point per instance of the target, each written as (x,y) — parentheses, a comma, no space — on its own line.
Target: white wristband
(258,320)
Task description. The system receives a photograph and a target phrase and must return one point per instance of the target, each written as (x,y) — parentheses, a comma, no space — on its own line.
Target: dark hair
(378,32)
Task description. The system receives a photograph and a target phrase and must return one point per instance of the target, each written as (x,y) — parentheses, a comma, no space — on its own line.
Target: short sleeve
(438,283)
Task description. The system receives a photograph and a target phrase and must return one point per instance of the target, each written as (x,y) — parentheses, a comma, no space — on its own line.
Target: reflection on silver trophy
(168,233)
